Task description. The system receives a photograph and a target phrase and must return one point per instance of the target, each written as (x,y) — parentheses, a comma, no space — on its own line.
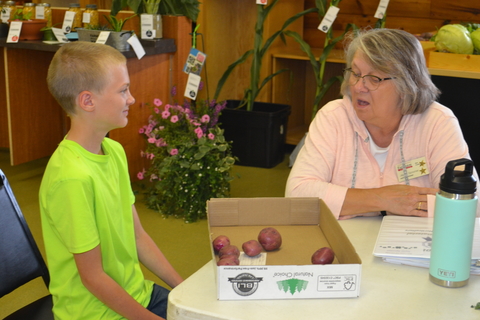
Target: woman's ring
(419,206)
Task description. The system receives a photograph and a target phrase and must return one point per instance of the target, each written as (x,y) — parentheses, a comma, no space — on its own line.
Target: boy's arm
(152,257)
(103,287)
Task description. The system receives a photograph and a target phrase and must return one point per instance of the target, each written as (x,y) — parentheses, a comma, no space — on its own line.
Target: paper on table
(408,240)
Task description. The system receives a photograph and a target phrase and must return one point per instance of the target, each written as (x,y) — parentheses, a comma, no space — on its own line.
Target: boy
(93,237)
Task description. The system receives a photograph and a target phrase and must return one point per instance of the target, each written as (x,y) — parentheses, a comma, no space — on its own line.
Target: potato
(270,239)
(229,250)
(228,260)
(220,242)
(252,248)
(323,255)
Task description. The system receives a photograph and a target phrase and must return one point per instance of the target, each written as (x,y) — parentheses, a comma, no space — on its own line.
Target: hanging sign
(195,61)
(382,9)
(193,84)
(328,19)
(137,46)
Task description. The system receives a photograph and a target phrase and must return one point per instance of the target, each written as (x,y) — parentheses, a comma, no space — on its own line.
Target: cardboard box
(306,225)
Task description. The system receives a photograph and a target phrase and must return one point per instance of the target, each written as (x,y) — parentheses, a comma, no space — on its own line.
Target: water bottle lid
(458,182)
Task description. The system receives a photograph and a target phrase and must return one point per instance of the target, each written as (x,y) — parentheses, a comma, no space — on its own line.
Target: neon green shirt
(86,200)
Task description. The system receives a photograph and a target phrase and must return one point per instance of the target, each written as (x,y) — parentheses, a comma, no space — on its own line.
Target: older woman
(384,146)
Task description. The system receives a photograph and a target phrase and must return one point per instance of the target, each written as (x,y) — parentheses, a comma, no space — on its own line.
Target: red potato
(270,239)
(229,250)
(220,242)
(229,260)
(251,248)
(323,255)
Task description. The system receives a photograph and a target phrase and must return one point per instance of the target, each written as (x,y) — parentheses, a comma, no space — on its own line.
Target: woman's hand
(405,200)
(396,199)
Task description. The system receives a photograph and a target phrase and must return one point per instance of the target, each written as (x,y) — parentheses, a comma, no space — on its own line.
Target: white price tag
(193,83)
(86,17)
(6,15)
(262,2)
(39,12)
(147,30)
(328,19)
(14,31)
(59,35)
(102,37)
(382,9)
(68,21)
(137,46)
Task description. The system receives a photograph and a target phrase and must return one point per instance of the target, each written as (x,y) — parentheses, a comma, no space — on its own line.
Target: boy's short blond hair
(80,66)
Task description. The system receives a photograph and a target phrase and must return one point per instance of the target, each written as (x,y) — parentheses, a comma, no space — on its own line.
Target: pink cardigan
(336,155)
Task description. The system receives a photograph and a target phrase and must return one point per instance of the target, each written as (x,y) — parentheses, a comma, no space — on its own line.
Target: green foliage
(20,16)
(258,52)
(117,24)
(187,8)
(190,159)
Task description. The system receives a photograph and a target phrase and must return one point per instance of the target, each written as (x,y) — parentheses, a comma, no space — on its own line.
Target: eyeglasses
(370,82)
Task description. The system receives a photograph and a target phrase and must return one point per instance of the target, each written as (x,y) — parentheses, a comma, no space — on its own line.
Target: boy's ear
(85,101)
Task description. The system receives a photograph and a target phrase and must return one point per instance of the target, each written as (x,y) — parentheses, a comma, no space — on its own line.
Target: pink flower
(141,130)
(160,143)
(165,114)
(167,107)
(141,175)
(156,110)
(157,102)
(211,136)
(205,118)
(199,132)
(174,119)
(151,156)
(151,140)
(174,152)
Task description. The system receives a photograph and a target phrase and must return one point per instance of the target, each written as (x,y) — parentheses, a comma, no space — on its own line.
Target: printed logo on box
(337,282)
(293,285)
(245,284)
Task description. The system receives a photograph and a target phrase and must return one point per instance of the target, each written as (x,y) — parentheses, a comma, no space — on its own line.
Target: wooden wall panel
(3,104)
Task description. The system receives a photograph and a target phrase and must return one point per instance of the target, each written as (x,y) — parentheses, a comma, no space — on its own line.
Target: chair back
(20,259)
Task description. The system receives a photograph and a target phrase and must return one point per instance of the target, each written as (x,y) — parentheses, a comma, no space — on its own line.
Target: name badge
(415,168)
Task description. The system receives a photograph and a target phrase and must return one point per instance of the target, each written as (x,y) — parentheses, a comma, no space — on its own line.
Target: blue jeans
(159,301)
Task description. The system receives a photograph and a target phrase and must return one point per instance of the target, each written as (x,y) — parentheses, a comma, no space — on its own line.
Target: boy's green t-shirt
(85,201)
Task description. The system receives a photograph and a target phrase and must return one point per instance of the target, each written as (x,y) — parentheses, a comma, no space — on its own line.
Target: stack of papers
(408,240)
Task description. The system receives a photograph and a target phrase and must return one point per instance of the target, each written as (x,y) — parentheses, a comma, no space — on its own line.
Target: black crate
(258,136)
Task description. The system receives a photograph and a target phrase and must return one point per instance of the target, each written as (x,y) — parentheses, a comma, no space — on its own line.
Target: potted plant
(117,38)
(187,8)
(31,28)
(257,129)
(190,160)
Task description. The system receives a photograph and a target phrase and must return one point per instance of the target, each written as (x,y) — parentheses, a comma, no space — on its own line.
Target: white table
(388,291)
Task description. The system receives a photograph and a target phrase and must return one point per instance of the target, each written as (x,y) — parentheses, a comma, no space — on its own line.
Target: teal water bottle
(453,226)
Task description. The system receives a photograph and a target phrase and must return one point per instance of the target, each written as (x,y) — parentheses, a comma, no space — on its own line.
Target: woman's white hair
(398,54)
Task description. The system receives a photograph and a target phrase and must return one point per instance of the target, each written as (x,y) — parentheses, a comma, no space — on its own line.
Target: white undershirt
(380,154)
